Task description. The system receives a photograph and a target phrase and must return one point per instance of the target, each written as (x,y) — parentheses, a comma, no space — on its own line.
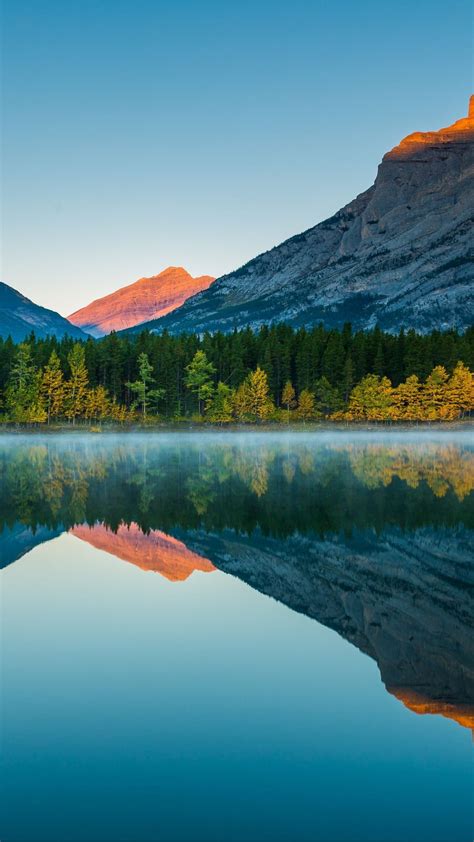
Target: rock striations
(19,317)
(148,298)
(399,255)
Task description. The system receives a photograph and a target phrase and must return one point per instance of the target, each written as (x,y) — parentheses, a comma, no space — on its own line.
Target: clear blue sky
(143,133)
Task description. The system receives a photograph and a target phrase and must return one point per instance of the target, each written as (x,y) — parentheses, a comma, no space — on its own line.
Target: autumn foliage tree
(52,387)
(288,397)
(252,399)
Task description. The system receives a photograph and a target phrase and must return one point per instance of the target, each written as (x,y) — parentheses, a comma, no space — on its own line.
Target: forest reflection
(216,485)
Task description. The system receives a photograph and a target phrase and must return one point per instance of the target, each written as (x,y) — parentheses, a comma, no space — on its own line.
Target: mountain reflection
(373,540)
(153,551)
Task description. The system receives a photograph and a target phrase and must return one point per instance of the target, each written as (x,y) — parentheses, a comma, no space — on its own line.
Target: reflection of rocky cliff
(404,599)
(153,551)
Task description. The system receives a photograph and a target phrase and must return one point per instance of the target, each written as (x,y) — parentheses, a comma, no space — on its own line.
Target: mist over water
(238,636)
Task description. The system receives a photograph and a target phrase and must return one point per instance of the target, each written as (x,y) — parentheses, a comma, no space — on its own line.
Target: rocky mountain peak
(399,255)
(145,299)
(461,131)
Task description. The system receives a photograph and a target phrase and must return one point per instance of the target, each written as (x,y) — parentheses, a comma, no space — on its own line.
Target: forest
(278,374)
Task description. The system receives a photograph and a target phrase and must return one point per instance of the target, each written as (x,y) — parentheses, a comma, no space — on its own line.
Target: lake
(225,636)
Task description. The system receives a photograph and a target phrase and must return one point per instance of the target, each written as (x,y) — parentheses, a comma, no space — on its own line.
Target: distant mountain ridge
(399,255)
(147,298)
(19,317)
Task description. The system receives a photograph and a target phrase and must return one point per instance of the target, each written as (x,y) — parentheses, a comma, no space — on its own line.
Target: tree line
(277,373)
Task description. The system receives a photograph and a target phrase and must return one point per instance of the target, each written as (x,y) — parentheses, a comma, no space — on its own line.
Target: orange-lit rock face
(146,299)
(462,131)
(463,714)
(156,551)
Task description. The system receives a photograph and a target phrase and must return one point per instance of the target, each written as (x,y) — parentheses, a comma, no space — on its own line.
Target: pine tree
(327,396)
(219,408)
(76,386)
(140,387)
(23,402)
(198,380)
(347,378)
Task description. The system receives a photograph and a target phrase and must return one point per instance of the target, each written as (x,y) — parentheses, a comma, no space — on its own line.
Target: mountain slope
(148,298)
(19,316)
(399,255)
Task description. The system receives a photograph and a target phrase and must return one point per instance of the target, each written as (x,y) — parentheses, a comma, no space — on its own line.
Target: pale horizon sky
(138,135)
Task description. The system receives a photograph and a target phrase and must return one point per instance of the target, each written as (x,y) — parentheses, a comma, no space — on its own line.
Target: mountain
(19,316)
(399,255)
(148,298)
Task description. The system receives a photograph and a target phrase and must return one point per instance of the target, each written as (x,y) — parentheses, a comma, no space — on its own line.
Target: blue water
(138,708)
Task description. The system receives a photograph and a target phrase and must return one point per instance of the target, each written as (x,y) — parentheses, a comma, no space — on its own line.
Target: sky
(138,134)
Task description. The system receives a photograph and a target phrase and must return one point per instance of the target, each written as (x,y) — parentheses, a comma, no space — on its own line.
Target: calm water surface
(237,637)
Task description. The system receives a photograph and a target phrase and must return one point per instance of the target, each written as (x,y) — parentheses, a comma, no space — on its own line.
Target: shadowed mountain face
(148,298)
(372,539)
(18,540)
(19,317)
(399,255)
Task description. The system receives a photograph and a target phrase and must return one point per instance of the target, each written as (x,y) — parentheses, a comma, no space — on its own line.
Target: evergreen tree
(22,395)
(327,397)
(220,407)
(140,387)
(198,380)
(76,386)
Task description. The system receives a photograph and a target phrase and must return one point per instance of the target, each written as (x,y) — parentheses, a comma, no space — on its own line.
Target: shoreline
(386,427)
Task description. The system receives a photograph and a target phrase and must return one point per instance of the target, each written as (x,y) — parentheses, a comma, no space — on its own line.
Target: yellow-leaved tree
(407,400)
(252,400)
(434,394)
(288,398)
(306,409)
(371,399)
(460,391)
(52,387)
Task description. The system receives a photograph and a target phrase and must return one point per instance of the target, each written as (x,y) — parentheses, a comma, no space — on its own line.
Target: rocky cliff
(400,254)
(19,317)
(148,298)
